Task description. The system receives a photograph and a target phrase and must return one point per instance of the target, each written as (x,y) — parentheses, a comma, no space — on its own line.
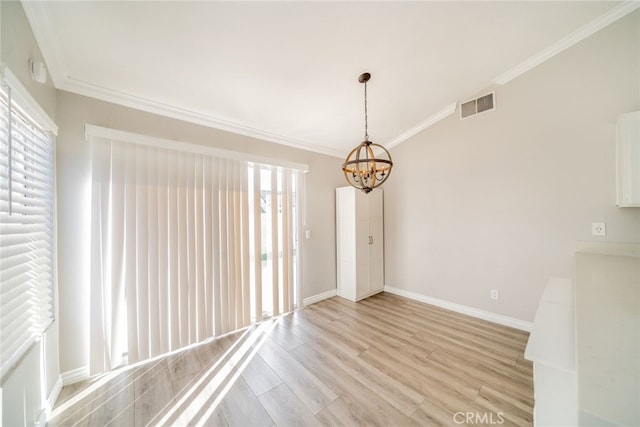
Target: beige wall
(21,389)
(18,45)
(319,274)
(497,201)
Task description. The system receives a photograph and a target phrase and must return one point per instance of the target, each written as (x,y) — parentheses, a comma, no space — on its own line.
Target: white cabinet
(628,160)
(360,245)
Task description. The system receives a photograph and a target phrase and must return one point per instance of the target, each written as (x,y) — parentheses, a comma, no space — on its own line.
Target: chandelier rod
(364,78)
(366,117)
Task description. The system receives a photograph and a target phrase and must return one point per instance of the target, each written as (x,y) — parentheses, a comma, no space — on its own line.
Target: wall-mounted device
(38,71)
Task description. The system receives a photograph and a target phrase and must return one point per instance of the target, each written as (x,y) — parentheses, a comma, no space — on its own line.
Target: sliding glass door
(186,246)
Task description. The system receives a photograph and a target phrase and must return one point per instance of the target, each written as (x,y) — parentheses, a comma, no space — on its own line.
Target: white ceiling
(287,71)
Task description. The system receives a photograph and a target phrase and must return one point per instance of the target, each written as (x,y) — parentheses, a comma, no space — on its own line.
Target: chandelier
(362,169)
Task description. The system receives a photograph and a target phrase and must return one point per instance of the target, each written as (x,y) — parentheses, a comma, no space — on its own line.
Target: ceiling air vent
(477,105)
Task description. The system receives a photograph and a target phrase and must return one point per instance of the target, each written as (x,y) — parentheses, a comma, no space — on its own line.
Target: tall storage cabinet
(360,243)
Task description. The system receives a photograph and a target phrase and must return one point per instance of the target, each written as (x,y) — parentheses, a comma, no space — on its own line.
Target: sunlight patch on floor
(194,407)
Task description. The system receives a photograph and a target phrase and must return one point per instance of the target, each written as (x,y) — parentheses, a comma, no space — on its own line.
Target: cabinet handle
(371,240)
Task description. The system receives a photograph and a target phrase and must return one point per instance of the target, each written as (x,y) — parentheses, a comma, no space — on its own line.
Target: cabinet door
(346,243)
(362,244)
(376,248)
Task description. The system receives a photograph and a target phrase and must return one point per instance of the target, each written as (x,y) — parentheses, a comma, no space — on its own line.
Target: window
(26,230)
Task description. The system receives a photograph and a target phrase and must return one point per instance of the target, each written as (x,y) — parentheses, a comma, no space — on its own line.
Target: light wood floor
(386,360)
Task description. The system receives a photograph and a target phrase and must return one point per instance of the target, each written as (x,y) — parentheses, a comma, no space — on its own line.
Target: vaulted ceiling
(287,71)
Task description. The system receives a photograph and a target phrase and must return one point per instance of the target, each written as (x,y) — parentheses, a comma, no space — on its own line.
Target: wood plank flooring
(386,360)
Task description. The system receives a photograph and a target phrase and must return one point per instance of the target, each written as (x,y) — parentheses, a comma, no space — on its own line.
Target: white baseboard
(463,309)
(75,375)
(319,297)
(45,413)
(42,419)
(53,396)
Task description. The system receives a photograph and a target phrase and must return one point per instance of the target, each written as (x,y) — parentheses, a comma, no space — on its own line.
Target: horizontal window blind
(26,231)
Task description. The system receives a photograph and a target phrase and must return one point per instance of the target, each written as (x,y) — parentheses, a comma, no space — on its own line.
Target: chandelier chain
(366,118)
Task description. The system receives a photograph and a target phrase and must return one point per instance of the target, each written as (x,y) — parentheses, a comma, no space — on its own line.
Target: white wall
(497,201)
(319,272)
(26,388)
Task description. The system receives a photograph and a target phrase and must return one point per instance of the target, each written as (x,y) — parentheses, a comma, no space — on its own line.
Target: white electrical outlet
(495,294)
(598,229)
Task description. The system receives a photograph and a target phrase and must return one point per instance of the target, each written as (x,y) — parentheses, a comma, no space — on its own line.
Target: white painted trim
(44,35)
(75,376)
(152,141)
(463,309)
(51,401)
(26,101)
(42,418)
(319,297)
(109,95)
(55,392)
(446,111)
(580,34)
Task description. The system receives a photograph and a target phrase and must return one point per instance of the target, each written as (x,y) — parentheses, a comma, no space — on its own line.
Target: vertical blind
(185,246)
(26,231)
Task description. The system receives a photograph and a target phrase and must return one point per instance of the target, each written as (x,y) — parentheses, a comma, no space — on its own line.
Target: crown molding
(150,106)
(45,37)
(580,34)
(446,111)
